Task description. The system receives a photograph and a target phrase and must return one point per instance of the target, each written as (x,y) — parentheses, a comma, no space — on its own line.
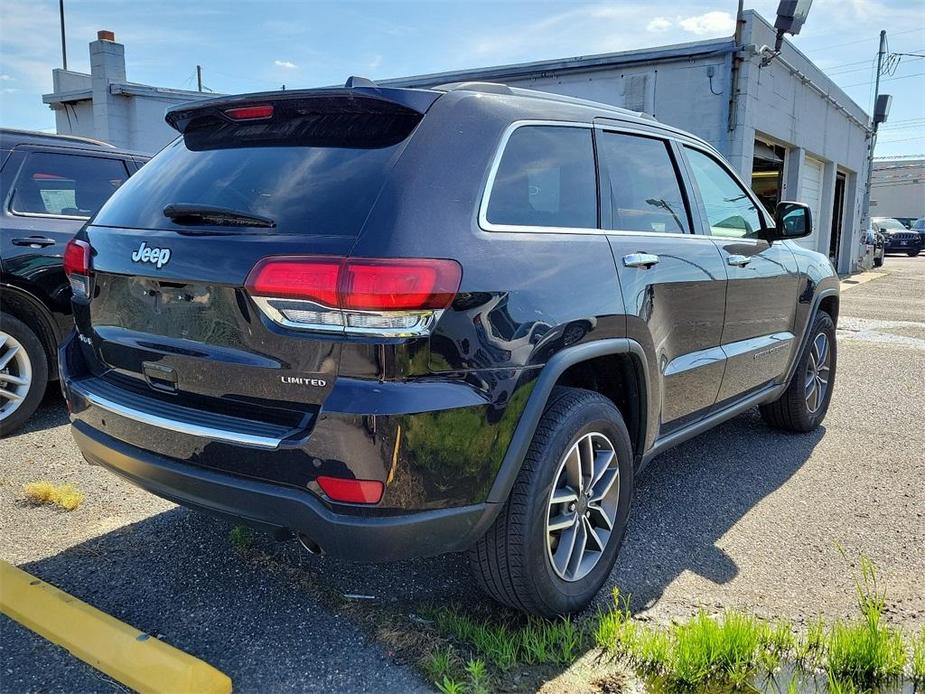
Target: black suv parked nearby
(50,185)
(399,322)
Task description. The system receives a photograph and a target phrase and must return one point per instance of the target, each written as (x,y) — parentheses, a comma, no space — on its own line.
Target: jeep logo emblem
(156,256)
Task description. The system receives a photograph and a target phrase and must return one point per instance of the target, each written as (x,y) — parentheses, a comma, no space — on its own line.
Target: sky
(260,45)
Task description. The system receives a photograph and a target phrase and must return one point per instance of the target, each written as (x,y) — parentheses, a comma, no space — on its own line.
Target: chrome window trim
(484,224)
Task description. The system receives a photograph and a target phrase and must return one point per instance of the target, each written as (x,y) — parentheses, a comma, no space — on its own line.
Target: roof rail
(353,82)
(484,87)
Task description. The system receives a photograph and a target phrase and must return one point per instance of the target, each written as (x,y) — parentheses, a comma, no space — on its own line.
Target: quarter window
(546,179)
(730,210)
(66,184)
(644,191)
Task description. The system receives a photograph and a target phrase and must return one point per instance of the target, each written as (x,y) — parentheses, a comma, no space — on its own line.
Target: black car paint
(444,422)
(32,276)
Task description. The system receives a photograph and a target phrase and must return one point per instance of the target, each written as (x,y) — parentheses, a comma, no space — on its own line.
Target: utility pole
(199,78)
(873,136)
(63,42)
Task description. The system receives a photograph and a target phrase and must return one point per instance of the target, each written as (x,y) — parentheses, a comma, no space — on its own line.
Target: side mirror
(793,220)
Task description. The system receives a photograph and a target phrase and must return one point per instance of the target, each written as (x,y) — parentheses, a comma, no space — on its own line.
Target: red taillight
(351,491)
(398,285)
(312,279)
(77,258)
(360,284)
(250,112)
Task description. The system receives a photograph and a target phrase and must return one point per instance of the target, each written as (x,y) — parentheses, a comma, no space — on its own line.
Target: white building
(898,187)
(781,122)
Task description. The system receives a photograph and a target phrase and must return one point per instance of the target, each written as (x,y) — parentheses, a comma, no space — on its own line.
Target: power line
(856,41)
(886,79)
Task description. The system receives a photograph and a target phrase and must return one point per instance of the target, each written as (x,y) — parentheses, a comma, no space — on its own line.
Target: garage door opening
(838,217)
(768,173)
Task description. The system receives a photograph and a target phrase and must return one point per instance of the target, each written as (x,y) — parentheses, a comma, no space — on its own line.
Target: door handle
(738,260)
(40,241)
(645,260)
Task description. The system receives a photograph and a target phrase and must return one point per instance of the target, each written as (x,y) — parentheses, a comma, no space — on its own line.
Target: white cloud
(375,62)
(285,64)
(6,78)
(659,24)
(709,23)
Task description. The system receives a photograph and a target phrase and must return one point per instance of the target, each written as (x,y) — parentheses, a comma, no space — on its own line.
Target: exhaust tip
(309,544)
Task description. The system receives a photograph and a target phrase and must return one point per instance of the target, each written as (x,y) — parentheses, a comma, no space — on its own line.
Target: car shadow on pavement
(272,615)
(692,495)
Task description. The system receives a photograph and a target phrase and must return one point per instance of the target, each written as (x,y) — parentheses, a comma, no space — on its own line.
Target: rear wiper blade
(194,214)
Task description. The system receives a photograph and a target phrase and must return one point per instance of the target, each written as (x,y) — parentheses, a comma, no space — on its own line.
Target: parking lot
(743,516)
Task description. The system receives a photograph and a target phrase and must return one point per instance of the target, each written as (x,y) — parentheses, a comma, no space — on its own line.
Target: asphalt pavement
(742,516)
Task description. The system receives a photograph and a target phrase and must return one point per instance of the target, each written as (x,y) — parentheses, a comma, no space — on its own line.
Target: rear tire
(878,262)
(912,254)
(803,405)
(23,373)
(522,561)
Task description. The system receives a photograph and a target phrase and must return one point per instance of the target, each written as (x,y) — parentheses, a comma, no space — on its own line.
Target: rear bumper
(269,506)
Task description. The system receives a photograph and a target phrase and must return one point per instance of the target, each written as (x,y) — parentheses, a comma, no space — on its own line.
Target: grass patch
(241,538)
(729,649)
(918,657)
(505,644)
(65,496)
(865,651)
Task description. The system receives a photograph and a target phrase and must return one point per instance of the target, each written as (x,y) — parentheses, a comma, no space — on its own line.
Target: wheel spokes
(8,357)
(582,506)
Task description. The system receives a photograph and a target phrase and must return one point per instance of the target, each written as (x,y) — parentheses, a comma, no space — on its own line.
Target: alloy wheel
(582,507)
(15,374)
(816,383)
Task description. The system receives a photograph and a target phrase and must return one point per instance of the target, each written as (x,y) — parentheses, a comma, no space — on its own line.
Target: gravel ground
(742,516)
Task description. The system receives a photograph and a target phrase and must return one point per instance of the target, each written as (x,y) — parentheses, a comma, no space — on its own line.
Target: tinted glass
(546,179)
(644,191)
(305,190)
(66,184)
(730,211)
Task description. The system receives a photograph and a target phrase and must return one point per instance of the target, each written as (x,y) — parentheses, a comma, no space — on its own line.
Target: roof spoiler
(358,94)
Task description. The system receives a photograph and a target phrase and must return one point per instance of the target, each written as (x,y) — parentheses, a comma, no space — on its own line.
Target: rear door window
(644,191)
(66,185)
(546,178)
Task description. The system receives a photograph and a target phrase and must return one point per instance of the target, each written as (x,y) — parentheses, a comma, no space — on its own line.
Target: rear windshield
(304,189)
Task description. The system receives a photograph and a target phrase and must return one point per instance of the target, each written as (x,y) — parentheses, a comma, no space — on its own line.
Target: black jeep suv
(400,322)
(50,185)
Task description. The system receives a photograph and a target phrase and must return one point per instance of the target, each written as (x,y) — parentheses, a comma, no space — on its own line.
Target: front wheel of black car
(912,254)
(557,537)
(803,405)
(23,373)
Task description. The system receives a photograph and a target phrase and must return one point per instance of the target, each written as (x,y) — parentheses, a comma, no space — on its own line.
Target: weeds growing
(241,538)
(65,496)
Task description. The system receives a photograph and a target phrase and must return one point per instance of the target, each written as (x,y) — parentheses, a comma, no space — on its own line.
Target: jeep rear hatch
(289,175)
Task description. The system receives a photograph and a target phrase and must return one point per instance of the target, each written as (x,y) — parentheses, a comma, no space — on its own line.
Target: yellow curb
(130,656)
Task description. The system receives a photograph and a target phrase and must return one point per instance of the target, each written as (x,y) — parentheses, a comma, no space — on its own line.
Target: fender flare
(804,339)
(41,321)
(536,403)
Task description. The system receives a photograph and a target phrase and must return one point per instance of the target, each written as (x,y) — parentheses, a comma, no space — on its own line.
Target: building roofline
(590,62)
(819,71)
(68,97)
(137,89)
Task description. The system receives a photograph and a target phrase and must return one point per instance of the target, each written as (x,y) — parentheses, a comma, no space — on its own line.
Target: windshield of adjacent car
(886,223)
(919,225)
